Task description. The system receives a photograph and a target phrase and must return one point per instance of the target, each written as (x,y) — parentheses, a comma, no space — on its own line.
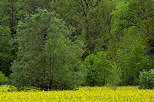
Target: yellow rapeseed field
(84,94)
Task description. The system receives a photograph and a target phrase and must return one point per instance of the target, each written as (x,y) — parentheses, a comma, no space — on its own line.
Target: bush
(146,80)
(3,78)
(97,66)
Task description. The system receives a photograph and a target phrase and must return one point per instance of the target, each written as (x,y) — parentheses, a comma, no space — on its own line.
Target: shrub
(3,78)
(97,66)
(146,80)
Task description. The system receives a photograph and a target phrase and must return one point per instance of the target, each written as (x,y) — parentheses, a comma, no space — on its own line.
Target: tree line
(61,44)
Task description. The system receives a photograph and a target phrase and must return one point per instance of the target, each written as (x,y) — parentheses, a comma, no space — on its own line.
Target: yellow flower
(84,94)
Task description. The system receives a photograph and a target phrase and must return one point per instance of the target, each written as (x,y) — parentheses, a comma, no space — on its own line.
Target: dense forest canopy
(61,44)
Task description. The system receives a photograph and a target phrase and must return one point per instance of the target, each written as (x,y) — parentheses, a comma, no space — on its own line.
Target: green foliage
(9,15)
(31,6)
(146,79)
(128,47)
(47,59)
(98,68)
(3,78)
(6,48)
(114,75)
(91,18)
(131,57)
(122,28)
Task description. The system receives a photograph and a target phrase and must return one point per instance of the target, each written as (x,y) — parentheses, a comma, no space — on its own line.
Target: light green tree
(98,69)
(129,44)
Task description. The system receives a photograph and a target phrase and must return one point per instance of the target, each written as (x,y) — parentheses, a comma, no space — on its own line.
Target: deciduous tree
(47,59)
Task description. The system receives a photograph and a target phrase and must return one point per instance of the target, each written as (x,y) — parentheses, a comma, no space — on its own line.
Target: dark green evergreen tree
(10,14)
(6,48)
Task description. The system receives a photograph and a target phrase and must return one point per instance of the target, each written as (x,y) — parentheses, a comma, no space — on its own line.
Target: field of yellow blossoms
(84,94)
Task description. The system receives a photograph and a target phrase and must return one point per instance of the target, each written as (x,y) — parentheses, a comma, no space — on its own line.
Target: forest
(64,44)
